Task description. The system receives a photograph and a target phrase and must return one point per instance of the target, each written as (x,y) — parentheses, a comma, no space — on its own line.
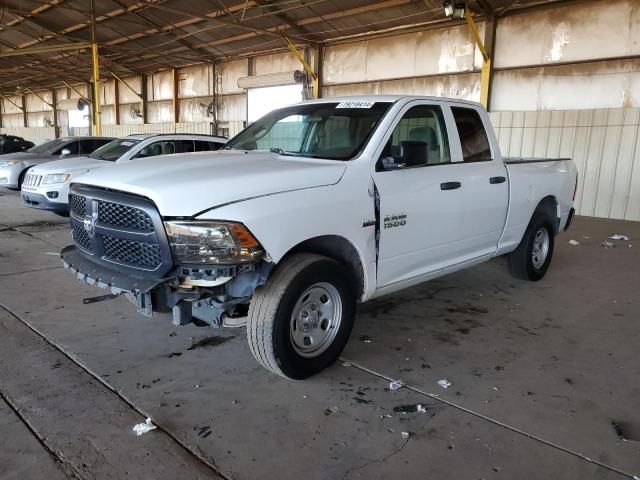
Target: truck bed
(515,160)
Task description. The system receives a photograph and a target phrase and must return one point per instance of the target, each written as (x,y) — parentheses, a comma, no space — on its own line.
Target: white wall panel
(196,81)
(8,107)
(160,112)
(228,74)
(604,144)
(416,54)
(275,63)
(160,86)
(571,33)
(126,95)
(464,86)
(35,104)
(33,134)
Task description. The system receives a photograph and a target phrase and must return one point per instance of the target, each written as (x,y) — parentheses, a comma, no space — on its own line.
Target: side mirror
(65,152)
(390,163)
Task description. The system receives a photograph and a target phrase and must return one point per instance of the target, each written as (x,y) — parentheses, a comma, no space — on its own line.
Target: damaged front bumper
(176,292)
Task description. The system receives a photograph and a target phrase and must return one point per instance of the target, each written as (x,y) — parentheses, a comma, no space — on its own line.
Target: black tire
(521,262)
(20,180)
(269,322)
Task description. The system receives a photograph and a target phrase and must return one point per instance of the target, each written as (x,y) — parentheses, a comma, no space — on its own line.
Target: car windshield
(112,151)
(48,147)
(336,131)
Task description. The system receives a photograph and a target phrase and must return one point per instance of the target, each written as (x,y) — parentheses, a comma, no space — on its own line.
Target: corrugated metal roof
(143,36)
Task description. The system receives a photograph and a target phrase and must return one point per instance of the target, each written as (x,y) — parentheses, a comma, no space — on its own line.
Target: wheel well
(339,249)
(549,206)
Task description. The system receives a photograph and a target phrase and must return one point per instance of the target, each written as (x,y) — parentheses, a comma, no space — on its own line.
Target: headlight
(212,242)
(6,163)
(55,178)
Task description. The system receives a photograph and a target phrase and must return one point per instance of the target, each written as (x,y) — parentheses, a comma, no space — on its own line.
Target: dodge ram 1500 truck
(311,209)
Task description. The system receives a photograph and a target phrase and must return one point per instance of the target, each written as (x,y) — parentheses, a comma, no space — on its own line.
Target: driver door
(420,196)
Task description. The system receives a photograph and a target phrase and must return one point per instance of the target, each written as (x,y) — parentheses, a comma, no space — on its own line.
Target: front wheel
(300,320)
(531,259)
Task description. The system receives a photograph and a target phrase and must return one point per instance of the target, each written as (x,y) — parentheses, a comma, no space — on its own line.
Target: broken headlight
(212,242)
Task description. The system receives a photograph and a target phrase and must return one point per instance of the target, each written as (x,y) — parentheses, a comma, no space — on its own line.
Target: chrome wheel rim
(540,248)
(315,319)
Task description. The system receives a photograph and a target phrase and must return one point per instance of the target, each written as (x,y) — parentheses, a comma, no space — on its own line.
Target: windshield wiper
(277,150)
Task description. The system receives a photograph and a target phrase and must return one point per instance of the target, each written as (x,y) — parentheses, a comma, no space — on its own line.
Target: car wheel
(301,319)
(20,180)
(531,259)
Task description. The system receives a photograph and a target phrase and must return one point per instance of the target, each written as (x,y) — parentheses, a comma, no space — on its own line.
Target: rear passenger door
(485,187)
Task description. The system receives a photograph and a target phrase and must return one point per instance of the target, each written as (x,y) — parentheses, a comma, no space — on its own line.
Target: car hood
(70,165)
(24,156)
(184,185)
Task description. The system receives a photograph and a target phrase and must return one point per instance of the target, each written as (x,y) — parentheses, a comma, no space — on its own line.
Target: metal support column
(116,99)
(307,68)
(96,89)
(143,98)
(24,110)
(486,49)
(176,106)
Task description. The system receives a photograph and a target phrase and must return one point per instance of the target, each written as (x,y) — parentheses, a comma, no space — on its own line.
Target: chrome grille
(32,180)
(78,205)
(132,252)
(124,216)
(81,237)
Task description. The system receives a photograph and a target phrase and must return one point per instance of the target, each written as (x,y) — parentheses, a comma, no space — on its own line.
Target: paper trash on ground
(573,242)
(444,383)
(617,236)
(405,435)
(141,428)
(395,385)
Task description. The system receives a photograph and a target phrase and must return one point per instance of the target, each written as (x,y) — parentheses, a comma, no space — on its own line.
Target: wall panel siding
(604,144)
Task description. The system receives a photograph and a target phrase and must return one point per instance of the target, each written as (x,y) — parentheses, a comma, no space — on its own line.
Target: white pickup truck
(311,209)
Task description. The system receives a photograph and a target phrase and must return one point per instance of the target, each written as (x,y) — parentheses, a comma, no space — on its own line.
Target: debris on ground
(386,415)
(53,254)
(625,432)
(444,383)
(145,427)
(574,242)
(331,411)
(346,364)
(617,236)
(413,408)
(606,244)
(405,435)
(365,338)
(395,385)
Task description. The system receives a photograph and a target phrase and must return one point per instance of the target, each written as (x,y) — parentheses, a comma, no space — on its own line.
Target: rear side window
(216,145)
(201,146)
(473,137)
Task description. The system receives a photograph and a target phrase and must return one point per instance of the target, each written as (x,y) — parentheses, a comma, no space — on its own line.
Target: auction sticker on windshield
(355,104)
(127,144)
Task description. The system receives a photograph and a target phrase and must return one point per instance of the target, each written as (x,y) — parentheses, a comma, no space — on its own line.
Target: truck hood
(184,185)
(70,165)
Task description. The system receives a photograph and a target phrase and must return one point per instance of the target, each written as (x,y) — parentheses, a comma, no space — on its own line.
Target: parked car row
(45,183)
(309,210)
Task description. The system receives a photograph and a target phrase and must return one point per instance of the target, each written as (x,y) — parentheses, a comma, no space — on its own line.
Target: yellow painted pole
(305,65)
(485,76)
(96,89)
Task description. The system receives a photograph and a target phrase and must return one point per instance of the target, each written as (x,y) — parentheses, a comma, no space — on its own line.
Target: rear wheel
(300,321)
(531,259)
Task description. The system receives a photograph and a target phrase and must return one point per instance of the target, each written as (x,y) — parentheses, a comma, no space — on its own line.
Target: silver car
(14,166)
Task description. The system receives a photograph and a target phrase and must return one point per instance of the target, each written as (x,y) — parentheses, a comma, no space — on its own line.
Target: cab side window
(88,146)
(166,147)
(419,140)
(473,137)
(202,146)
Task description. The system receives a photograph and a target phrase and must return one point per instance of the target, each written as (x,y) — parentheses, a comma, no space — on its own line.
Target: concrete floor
(539,372)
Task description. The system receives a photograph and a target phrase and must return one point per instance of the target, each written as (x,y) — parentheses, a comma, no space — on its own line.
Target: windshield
(112,151)
(335,131)
(48,147)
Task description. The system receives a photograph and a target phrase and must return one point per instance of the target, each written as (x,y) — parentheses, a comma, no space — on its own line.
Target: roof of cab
(388,98)
(144,136)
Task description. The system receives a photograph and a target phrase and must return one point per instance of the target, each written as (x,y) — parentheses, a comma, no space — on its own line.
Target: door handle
(450,185)
(494,180)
